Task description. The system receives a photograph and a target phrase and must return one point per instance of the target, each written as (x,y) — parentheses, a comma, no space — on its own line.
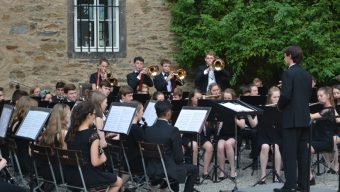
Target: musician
(139,76)
(45,95)
(226,144)
(158,96)
(70,92)
(214,91)
(143,90)
(162,132)
(204,138)
(254,91)
(59,92)
(83,137)
(54,136)
(268,136)
(34,91)
(207,75)
(105,88)
(4,186)
(125,94)
(101,74)
(17,94)
(99,101)
(166,81)
(257,82)
(245,90)
(178,94)
(294,104)
(21,108)
(323,139)
(336,94)
(2,94)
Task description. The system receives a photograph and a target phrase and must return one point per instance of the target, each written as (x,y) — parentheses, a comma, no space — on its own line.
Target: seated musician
(21,108)
(178,94)
(139,76)
(70,93)
(254,91)
(166,81)
(204,138)
(54,136)
(83,137)
(323,132)
(59,92)
(105,88)
(214,92)
(136,134)
(245,90)
(45,95)
(257,82)
(34,91)
(226,144)
(125,94)
(267,136)
(158,96)
(101,74)
(4,186)
(99,101)
(162,132)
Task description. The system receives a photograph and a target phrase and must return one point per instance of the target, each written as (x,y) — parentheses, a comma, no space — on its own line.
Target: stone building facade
(35,40)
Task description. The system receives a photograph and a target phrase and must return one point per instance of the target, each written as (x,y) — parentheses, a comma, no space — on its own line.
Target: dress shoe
(331,171)
(312,181)
(262,182)
(206,176)
(284,189)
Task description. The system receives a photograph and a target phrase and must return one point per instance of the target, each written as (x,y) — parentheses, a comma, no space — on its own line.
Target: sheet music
(191,120)
(4,120)
(236,107)
(32,124)
(150,115)
(119,119)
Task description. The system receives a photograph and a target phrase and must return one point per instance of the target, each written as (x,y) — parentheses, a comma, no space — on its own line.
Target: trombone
(113,81)
(180,73)
(218,64)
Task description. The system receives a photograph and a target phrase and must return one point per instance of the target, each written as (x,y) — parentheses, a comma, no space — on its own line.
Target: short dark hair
(138,58)
(17,94)
(124,90)
(59,84)
(69,87)
(162,107)
(104,84)
(163,61)
(295,52)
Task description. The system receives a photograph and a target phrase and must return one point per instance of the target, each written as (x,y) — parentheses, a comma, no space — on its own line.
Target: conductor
(294,104)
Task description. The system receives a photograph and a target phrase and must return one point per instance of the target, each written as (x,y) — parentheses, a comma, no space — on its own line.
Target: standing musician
(268,136)
(226,144)
(139,76)
(59,92)
(207,74)
(100,75)
(294,104)
(167,80)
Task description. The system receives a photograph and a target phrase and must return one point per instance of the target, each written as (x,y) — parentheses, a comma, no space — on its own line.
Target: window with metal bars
(96,26)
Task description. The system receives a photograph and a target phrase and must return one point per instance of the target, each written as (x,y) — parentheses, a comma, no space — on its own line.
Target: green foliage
(250,35)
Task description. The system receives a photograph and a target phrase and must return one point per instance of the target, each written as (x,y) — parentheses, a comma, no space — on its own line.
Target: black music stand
(263,91)
(177,106)
(5,118)
(270,123)
(219,110)
(254,100)
(143,98)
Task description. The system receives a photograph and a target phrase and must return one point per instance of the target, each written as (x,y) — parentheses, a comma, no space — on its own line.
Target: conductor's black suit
(294,104)
(164,133)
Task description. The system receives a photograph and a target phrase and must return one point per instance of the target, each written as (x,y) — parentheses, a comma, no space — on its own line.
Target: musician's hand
(144,71)
(110,135)
(279,85)
(3,163)
(171,75)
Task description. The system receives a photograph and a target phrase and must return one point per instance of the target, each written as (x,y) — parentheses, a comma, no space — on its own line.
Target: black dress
(93,176)
(323,131)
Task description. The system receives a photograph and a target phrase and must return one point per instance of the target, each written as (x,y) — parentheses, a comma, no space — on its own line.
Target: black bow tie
(166,75)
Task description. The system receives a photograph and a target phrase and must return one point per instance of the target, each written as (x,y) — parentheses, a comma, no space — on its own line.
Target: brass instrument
(113,81)
(211,96)
(312,104)
(181,74)
(153,70)
(218,64)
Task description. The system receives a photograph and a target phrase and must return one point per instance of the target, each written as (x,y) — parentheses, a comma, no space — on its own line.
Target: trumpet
(218,64)
(180,73)
(153,70)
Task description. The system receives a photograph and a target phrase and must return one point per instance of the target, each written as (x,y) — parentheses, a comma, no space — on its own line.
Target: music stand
(234,108)
(143,98)
(254,100)
(33,123)
(5,118)
(270,125)
(191,119)
(149,114)
(314,95)
(119,118)
(177,106)
(2,103)
(263,91)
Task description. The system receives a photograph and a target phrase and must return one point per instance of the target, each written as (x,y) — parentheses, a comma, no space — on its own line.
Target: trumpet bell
(218,64)
(113,81)
(153,70)
(181,73)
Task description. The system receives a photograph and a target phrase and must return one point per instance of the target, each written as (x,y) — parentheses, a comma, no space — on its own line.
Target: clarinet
(145,124)
(8,176)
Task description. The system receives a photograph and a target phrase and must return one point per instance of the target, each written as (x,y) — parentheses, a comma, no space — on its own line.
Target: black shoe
(312,181)
(284,189)
(197,180)
(221,178)
(331,171)
(207,176)
(262,182)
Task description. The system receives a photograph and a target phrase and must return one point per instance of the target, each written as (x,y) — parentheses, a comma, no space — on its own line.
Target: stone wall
(33,43)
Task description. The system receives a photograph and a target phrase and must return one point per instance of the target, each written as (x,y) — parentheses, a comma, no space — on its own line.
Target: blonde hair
(97,98)
(209,91)
(231,92)
(56,124)
(328,91)
(270,93)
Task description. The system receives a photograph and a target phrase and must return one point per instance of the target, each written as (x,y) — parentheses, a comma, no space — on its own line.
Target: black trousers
(295,156)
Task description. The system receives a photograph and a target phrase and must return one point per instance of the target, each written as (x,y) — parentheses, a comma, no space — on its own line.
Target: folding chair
(153,151)
(40,155)
(73,159)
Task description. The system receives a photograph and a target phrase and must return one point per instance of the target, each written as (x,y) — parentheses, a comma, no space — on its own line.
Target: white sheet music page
(236,107)
(150,115)
(32,124)
(4,120)
(119,119)
(190,120)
